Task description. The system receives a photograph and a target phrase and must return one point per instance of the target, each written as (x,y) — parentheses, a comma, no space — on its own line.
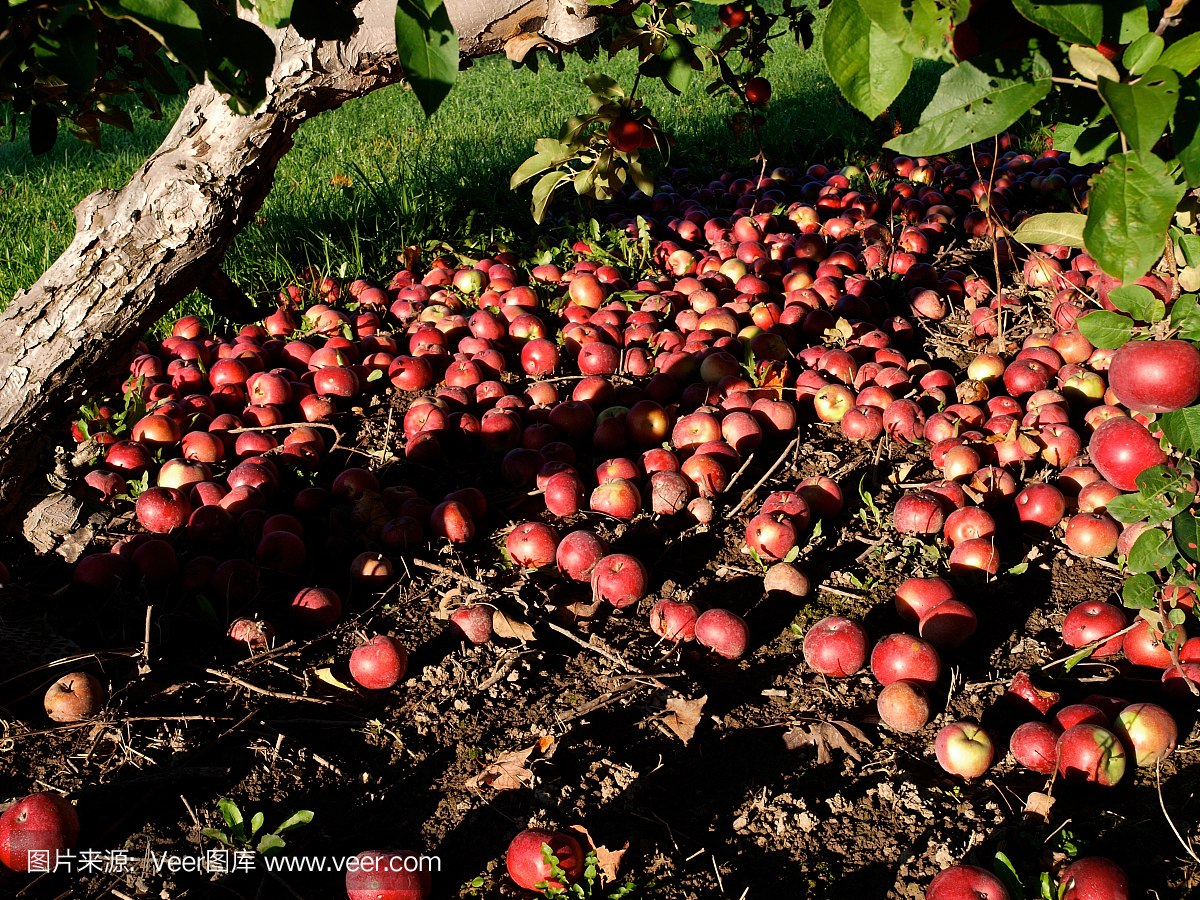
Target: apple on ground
(379,663)
(74,697)
(836,647)
(964,749)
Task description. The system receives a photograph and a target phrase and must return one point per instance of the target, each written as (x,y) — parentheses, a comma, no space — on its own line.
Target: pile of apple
(774,301)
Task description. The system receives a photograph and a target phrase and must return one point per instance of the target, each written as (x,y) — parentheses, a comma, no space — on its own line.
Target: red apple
(162,509)
(948,624)
(722,631)
(917,596)
(620,579)
(532,545)
(526,863)
(1090,753)
(315,609)
(388,875)
(473,622)
(919,513)
(43,824)
(379,663)
(836,647)
(1040,507)
(1155,376)
(1093,620)
(977,555)
(1093,878)
(1034,745)
(1148,731)
(966,883)
(578,553)
(968,523)
(902,657)
(674,621)
(1122,449)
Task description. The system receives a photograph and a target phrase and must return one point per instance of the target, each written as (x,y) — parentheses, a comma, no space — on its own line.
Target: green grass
(412,181)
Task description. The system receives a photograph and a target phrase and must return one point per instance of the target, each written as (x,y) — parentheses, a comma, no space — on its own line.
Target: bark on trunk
(140,250)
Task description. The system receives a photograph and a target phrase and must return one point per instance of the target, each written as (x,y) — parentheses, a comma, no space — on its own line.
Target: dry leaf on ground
(511,771)
(825,736)
(683,716)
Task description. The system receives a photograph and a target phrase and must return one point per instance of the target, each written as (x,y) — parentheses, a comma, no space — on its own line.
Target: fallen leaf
(1028,444)
(446,605)
(584,610)
(902,472)
(683,716)
(327,676)
(972,391)
(520,46)
(510,772)
(1039,804)
(507,627)
(607,861)
(410,256)
(825,736)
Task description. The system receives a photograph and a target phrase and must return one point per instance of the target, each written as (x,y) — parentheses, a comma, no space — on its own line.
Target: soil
(729,812)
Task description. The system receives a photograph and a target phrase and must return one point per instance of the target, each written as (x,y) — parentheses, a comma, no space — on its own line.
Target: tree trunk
(139,251)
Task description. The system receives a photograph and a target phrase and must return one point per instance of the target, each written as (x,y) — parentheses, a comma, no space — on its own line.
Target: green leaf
(274,13)
(69,52)
(1130,205)
(1079,656)
(674,65)
(173,22)
(1138,592)
(1190,245)
(216,835)
(270,843)
(1065,135)
(256,822)
(160,79)
(1142,110)
(1078,23)
(428,48)
(1185,528)
(232,816)
(1096,142)
(1184,55)
(865,62)
(1007,874)
(1064,229)
(1185,315)
(1143,53)
(1186,133)
(1182,428)
(303,817)
(1134,21)
(544,190)
(324,20)
(976,99)
(1139,302)
(1151,551)
(539,162)
(920,28)
(637,172)
(239,62)
(1091,63)
(1106,330)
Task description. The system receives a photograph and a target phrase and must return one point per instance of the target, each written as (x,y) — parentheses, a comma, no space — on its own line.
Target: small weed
(237,836)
